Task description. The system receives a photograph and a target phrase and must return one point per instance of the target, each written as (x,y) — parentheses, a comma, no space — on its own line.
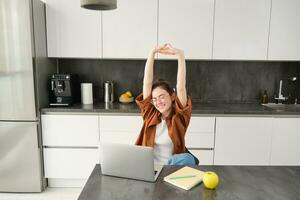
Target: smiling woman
(166,114)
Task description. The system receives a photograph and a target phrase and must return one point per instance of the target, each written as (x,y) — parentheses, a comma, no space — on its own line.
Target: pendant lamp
(99,4)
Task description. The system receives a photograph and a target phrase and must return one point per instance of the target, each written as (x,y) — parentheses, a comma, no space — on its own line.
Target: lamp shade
(99,4)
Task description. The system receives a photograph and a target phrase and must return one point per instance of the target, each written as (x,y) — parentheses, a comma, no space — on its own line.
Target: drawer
(206,157)
(70,163)
(70,130)
(119,137)
(199,140)
(202,124)
(120,123)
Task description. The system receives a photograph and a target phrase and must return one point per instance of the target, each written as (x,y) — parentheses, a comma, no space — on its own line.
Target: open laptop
(128,161)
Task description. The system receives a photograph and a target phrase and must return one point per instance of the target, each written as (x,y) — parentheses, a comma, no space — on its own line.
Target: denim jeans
(182,159)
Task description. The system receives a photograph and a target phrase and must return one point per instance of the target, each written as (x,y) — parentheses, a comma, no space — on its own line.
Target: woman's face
(162,100)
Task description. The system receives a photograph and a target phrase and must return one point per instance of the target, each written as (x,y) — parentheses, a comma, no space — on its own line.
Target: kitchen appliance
(108,91)
(63,89)
(24,72)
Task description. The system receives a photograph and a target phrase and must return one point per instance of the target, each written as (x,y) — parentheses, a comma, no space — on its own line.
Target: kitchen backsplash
(207,81)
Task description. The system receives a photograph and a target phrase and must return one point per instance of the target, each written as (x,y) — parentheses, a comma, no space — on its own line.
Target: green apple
(210,179)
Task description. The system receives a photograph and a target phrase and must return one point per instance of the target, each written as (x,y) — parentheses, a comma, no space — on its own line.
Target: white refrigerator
(24,71)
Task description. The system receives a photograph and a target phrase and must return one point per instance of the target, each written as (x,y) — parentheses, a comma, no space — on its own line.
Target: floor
(48,194)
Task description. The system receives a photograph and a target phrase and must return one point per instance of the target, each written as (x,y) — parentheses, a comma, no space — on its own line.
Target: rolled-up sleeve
(144,104)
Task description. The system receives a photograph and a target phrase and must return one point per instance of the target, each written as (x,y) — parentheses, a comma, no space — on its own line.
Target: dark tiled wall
(207,81)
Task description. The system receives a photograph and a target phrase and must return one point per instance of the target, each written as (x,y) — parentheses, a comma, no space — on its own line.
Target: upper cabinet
(285,30)
(188,26)
(130,31)
(203,29)
(72,31)
(241,29)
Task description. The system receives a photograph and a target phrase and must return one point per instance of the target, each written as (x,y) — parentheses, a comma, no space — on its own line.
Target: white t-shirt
(163,145)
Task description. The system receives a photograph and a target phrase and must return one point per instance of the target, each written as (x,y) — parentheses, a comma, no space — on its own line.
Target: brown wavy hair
(164,85)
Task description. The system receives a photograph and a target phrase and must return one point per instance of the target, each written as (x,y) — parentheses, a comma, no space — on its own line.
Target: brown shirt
(177,123)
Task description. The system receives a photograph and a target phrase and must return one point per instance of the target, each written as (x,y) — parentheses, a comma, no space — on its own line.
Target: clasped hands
(167,49)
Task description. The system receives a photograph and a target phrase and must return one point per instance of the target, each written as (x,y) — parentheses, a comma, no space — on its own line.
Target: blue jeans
(182,159)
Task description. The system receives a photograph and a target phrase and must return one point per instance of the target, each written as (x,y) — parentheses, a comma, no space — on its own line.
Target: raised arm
(181,80)
(181,72)
(148,74)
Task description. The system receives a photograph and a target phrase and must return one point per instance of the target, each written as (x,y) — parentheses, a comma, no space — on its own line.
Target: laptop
(128,161)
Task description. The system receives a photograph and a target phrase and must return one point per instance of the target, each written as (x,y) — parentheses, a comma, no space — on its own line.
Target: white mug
(86,93)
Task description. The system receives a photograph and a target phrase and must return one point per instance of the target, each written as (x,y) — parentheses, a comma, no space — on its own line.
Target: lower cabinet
(200,138)
(243,141)
(205,156)
(286,142)
(70,148)
(71,141)
(63,163)
(120,129)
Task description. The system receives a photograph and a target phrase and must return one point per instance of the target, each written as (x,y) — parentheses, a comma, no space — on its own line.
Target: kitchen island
(236,183)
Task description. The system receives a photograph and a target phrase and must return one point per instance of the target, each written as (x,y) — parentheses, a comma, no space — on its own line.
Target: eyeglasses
(161,97)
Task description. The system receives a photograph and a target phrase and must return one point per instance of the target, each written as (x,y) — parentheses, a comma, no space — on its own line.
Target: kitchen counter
(198,109)
(236,183)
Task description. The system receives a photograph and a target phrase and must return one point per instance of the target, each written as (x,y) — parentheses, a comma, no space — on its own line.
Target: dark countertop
(235,183)
(198,109)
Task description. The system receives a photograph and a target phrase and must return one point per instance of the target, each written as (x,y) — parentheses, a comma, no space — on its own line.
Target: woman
(166,115)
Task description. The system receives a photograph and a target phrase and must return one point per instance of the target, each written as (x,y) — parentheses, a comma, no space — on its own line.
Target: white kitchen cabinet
(72,32)
(241,29)
(120,129)
(69,163)
(70,130)
(188,26)
(70,148)
(200,137)
(200,132)
(243,141)
(285,142)
(284,39)
(205,156)
(130,31)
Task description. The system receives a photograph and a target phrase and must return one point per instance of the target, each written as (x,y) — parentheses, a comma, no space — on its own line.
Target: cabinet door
(120,129)
(188,26)
(205,157)
(72,31)
(242,141)
(200,133)
(70,130)
(130,31)
(241,29)
(70,163)
(285,142)
(285,30)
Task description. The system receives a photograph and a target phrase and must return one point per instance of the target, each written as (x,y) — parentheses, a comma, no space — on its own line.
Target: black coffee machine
(63,88)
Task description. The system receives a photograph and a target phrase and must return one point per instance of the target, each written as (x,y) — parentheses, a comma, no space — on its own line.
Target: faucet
(280,96)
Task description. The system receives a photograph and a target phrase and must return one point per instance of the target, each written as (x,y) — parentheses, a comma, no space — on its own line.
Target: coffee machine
(63,89)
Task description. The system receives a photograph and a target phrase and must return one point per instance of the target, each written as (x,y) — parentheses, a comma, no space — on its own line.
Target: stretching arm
(181,79)
(148,74)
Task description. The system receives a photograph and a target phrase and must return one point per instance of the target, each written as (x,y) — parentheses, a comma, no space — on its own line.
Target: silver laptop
(128,161)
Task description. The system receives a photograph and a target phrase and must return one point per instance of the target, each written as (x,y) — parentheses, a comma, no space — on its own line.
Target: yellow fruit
(124,96)
(210,179)
(129,93)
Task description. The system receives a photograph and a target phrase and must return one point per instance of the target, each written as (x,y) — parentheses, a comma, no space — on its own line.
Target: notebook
(185,178)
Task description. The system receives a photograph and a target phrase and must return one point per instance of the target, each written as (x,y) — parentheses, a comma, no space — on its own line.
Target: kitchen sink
(283,107)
